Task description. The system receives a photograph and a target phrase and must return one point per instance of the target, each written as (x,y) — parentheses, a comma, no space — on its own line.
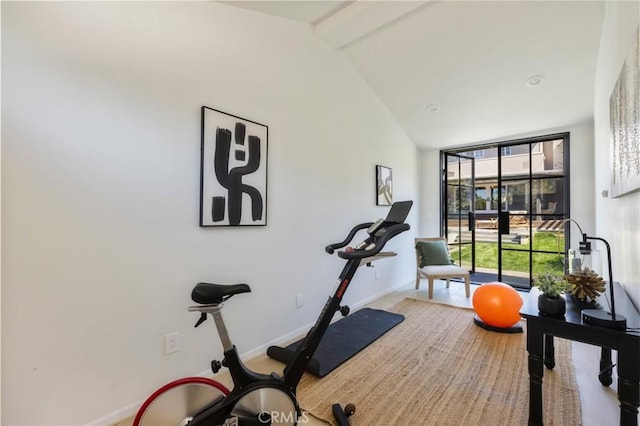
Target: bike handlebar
(379,239)
(331,247)
(379,232)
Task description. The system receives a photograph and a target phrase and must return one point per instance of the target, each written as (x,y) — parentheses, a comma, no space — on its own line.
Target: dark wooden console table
(540,332)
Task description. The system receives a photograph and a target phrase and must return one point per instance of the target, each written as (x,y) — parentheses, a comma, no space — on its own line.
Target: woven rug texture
(438,368)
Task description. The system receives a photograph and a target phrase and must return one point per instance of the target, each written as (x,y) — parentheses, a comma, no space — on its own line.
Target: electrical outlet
(171,343)
(377,274)
(300,300)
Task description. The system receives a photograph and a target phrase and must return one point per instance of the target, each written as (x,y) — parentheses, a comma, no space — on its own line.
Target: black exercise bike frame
(245,380)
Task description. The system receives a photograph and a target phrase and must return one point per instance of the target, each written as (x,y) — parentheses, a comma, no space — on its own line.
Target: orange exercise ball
(497,304)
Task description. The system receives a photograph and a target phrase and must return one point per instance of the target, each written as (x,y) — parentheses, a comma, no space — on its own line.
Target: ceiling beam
(361,18)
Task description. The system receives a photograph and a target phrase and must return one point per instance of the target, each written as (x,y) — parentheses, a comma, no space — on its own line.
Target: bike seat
(209,294)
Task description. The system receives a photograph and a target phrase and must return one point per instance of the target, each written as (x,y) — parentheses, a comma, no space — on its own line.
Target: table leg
(549,353)
(629,383)
(606,367)
(535,340)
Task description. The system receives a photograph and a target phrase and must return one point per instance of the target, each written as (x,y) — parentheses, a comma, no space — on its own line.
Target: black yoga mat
(343,339)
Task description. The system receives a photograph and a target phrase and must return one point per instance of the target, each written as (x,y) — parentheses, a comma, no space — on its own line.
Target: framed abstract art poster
(624,114)
(233,170)
(384,186)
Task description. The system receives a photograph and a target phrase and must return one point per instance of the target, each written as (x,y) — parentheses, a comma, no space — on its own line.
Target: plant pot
(551,306)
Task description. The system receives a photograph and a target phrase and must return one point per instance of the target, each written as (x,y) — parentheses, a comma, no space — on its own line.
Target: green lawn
(517,260)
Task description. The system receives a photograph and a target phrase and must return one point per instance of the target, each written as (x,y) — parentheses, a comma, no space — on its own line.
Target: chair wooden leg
(467,285)
(417,280)
(430,288)
(447,282)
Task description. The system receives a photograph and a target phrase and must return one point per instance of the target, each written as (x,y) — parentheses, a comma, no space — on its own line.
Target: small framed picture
(384,186)
(233,170)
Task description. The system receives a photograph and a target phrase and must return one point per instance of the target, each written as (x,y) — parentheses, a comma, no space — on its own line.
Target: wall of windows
(515,206)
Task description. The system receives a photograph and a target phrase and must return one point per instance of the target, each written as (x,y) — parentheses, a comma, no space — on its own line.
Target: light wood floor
(599,403)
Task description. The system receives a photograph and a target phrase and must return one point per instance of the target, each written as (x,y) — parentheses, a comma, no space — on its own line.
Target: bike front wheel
(176,402)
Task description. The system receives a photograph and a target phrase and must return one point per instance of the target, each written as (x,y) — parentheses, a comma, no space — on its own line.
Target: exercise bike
(261,399)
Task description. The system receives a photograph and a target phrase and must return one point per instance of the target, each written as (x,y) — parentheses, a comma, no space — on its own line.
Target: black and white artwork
(384,186)
(624,113)
(233,170)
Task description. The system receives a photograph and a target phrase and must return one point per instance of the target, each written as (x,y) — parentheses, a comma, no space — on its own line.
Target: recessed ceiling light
(535,80)
(433,108)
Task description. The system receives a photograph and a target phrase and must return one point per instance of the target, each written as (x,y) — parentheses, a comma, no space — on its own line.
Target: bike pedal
(215,366)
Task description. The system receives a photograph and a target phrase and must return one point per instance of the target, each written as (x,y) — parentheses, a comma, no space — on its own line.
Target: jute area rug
(438,368)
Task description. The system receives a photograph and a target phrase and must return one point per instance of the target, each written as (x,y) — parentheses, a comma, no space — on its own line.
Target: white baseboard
(382,294)
(117,416)
(131,409)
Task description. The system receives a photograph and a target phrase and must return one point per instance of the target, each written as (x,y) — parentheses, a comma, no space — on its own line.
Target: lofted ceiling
(458,72)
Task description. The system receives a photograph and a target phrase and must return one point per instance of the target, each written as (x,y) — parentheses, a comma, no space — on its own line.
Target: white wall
(581,183)
(429,166)
(0,248)
(100,186)
(618,219)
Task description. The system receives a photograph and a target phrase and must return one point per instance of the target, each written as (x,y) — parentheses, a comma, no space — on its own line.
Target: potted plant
(551,302)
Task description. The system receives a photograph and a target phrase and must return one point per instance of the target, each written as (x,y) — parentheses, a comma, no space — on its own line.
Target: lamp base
(604,319)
